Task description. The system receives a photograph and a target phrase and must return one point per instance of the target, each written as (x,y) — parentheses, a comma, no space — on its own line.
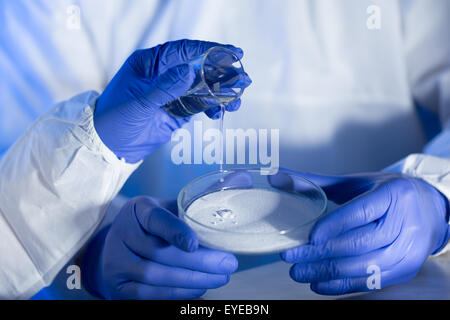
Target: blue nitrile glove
(148,253)
(128,115)
(387,221)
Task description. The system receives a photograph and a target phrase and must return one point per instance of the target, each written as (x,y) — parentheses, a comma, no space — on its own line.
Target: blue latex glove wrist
(148,253)
(128,116)
(390,221)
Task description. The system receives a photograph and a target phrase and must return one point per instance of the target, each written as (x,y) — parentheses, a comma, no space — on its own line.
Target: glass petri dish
(242,211)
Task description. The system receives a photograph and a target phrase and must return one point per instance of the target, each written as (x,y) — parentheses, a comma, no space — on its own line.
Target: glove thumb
(293,181)
(171,85)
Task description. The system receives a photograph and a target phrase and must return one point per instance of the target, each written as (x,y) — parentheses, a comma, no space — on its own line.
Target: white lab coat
(341,95)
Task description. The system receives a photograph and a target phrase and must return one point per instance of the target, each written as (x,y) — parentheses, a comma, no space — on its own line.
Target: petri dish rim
(182,212)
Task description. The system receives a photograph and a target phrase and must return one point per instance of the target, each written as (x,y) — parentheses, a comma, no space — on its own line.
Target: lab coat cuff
(434,170)
(69,178)
(87,124)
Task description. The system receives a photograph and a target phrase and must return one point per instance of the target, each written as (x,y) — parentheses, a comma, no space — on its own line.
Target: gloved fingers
(233,79)
(195,48)
(139,291)
(202,260)
(168,204)
(155,274)
(383,270)
(167,87)
(368,283)
(162,223)
(328,269)
(177,52)
(291,181)
(214,113)
(399,253)
(227,78)
(370,237)
(338,189)
(341,286)
(221,59)
(360,211)
(169,124)
(288,179)
(233,106)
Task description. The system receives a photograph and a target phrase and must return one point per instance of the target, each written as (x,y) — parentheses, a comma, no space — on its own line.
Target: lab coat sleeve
(427,53)
(56,183)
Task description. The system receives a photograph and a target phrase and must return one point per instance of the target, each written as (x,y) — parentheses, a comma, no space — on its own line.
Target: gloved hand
(128,115)
(148,253)
(389,221)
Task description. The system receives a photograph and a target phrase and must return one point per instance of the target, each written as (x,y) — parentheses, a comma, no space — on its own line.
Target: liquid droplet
(226,213)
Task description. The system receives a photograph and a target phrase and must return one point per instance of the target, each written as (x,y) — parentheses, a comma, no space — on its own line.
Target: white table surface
(272,282)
